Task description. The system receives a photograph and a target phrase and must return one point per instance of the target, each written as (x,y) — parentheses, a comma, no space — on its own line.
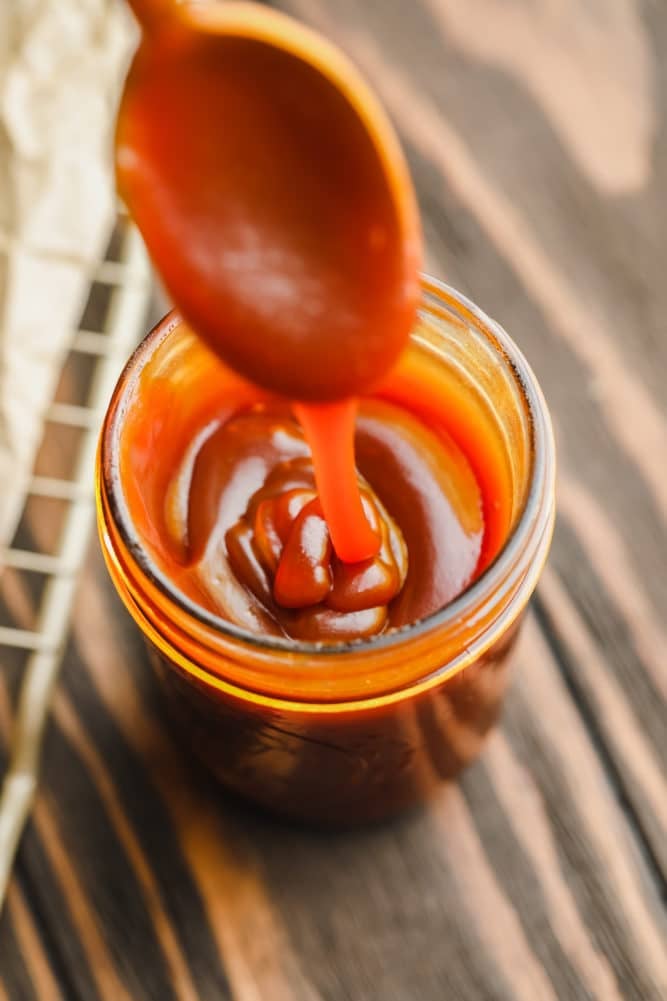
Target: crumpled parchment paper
(62,63)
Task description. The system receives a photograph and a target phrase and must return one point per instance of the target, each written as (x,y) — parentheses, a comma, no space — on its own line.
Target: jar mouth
(533,518)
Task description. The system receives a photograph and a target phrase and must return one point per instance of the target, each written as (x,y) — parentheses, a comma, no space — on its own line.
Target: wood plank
(521,218)
(67,908)
(44,978)
(16,981)
(638,772)
(526,881)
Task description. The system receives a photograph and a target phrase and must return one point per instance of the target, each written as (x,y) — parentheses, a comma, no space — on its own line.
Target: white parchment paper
(62,63)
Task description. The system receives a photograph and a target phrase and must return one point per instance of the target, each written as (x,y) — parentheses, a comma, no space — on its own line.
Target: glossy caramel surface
(257,548)
(219,480)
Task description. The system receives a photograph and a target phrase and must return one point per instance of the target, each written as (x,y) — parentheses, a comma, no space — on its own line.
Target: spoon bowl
(273,197)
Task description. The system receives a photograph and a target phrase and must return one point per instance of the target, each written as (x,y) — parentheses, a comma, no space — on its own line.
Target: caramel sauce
(248,540)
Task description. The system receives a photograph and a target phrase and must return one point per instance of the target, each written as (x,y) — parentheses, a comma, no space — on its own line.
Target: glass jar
(348,733)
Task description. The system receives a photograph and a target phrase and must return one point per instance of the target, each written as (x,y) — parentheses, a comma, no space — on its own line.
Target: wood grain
(537,137)
(513,220)
(526,881)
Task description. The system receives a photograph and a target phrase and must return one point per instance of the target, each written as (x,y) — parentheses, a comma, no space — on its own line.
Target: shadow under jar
(349,733)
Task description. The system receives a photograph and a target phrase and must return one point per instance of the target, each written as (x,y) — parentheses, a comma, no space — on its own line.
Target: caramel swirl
(244,536)
(281,552)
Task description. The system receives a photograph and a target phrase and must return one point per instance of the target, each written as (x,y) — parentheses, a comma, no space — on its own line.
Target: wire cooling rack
(111,326)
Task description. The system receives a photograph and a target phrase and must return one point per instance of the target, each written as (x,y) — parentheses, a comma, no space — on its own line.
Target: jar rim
(542,478)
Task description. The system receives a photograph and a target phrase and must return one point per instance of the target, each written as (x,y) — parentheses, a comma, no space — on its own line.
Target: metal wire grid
(128,282)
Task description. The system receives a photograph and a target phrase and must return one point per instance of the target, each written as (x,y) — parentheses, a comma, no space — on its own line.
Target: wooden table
(537,136)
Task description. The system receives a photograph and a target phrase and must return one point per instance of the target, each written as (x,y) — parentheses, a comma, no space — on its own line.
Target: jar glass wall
(347,733)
